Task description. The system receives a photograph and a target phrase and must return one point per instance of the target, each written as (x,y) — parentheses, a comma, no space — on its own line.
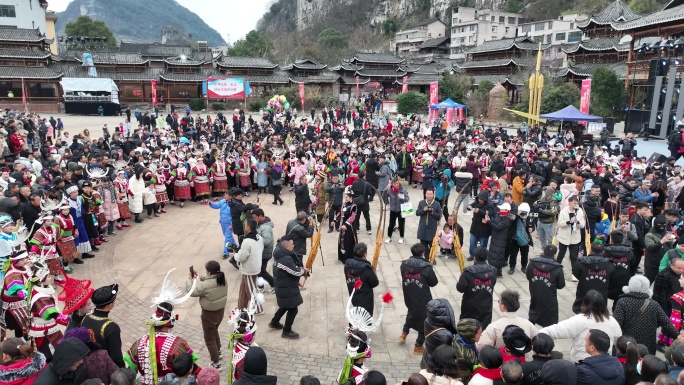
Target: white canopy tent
(85,85)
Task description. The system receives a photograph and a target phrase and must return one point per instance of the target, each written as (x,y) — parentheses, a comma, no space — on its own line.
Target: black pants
(512,249)
(394,216)
(420,340)
(334,210)
(170,192)
(445,207)
(475,184)
(365,210)
(277,198)
(151,208)
(265,274)
(289,319)
(574,251)
(428,246)
(638,254)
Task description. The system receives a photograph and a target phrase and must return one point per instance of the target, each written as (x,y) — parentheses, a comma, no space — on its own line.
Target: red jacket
(17,142)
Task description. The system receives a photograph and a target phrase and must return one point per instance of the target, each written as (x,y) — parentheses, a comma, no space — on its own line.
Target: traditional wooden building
(376,71)
(263,76)
(317,77)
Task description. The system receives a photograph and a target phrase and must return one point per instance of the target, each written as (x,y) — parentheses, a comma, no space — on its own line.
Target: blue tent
(570,114)
(448,103)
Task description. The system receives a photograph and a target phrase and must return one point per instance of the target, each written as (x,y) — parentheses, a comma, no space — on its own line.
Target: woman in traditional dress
(121,186)
(90,203)
(219,177)
(160,191)
(244,166)
(200,180)
(44,243)
(181,183)
(46,321)
(348,237)
(65,239)
(321,198)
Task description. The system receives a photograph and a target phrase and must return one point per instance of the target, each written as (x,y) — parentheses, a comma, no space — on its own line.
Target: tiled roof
(352,80)
(523,43)
(146,75)
(157,50)
(194,78)
(597,44)
(616,11)
(21,34)
(425,22)
(512,79)
(487,63)
(28,73)
(432,43)
(346,67)
(323,77)
(419,80)
(114,58)
(183,62)
(427,69)
(246,62)
(379,73)
(24,54)
(276,78)
(377,58)
(587,69)
(655,18)
(305,65)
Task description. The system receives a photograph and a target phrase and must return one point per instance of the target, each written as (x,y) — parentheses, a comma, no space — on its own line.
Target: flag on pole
(358,95)
(301,94)
(23,93)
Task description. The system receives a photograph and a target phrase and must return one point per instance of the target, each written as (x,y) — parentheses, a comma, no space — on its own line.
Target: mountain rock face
(142,21)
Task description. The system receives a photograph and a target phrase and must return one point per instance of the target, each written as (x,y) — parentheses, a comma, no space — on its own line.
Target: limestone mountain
(143,21)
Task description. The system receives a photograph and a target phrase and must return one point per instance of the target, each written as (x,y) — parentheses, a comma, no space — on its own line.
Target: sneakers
(330,230)
(388,240)
(401,240)
(402,337)
(418,350)
(77,261)
(290,335)
(277,325)
(470,259)
(511,271)
(574,279)
(216,365)
(369,232)
(68,269)
(86,256)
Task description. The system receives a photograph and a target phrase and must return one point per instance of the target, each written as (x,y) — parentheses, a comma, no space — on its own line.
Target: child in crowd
(150,200)
(446,241)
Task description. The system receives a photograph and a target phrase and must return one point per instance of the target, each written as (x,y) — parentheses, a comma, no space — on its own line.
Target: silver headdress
(359,318)
(170,294)
(96,173)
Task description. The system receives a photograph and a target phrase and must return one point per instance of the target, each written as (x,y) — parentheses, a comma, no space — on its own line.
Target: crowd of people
(605,207)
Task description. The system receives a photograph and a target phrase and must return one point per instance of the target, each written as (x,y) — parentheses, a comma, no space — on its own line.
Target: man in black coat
(593,272)
(67,366)
(532,191)
(359,269)
(363,192)
(477,285)
(300,229)
(372,167)
(302,196)
(287,269)
(334,189)
(642,226)
(500,224)
(545,277)
(621,256)
(417,277)
(667,283)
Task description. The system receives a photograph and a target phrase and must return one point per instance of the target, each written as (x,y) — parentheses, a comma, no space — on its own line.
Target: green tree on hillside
(390,27)
(643,6)
(559,97)
(85,26)
(411,102)
(255,44)
(332,38)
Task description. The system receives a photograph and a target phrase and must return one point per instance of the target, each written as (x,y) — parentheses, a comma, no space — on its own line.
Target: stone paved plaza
(138,258)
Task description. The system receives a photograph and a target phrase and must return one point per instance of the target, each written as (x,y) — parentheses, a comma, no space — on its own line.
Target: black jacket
(302,197)
(623,258)
(592,207)
(440,314)
(287,269)
(498,166)
(532,194)
(532,370)
(428,172)
(666,284)
(478,228)
(236,210)
(362,188)
(67,353)
(545,277)
(654,254)
(593,272)
(300,233)
(602,369)
(335,193)
(626,195)
(497,244)
(356,269)
(417,277)
(254,379)
(477,285)
(642,227)
(372,166)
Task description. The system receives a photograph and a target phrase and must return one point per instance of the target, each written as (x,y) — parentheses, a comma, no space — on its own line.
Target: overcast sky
(228,17)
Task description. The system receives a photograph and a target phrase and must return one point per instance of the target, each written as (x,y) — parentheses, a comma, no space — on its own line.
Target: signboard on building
(232,88)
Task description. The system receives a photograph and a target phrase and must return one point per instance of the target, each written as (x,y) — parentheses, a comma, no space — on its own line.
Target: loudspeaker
(656,157)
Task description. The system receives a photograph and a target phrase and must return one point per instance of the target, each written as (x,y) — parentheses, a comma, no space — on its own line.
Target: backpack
(521,234)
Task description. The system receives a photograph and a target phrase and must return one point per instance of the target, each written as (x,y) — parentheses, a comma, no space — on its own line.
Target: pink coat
(109,205)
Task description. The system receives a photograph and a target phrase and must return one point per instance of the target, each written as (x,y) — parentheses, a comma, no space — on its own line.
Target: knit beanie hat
(638,284)
(208,376)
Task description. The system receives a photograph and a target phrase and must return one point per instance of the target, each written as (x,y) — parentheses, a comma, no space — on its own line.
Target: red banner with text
(434,99)
(154,92)
(301,94)
(585,97)
(404,85)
